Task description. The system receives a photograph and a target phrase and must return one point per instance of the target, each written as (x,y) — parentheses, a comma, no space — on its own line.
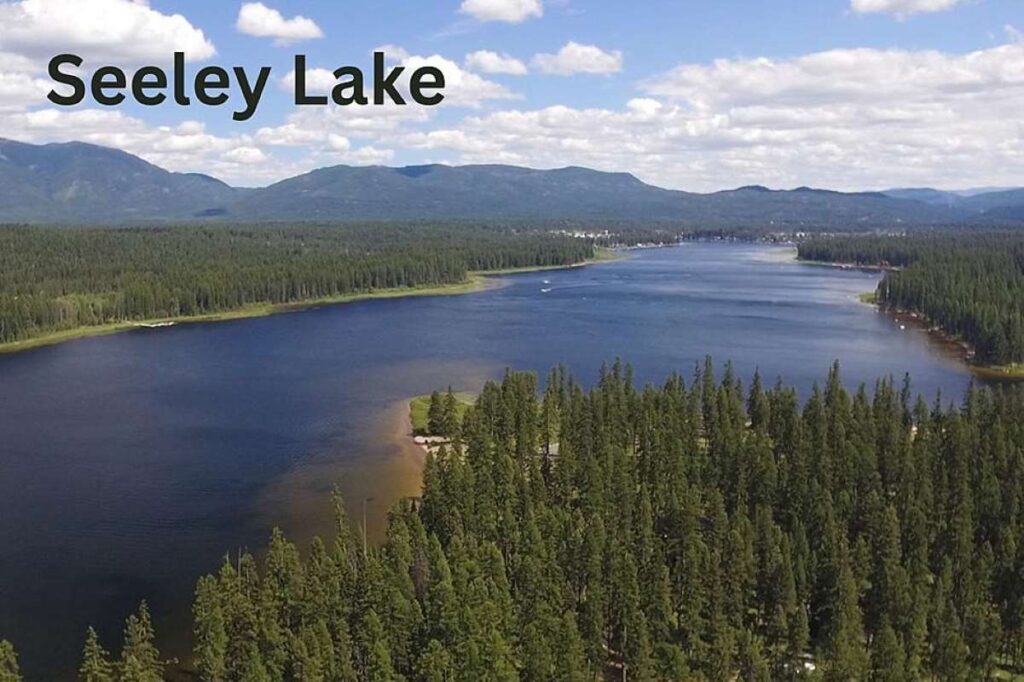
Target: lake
(133,463)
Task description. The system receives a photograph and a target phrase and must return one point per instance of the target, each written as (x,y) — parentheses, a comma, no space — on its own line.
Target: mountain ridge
(78,182)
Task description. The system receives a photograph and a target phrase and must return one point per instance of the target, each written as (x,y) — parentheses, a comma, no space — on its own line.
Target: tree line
(54,279)
(687,531)
(969,285)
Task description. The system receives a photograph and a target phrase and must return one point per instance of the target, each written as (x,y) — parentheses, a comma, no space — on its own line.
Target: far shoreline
(866,267)
(476,281)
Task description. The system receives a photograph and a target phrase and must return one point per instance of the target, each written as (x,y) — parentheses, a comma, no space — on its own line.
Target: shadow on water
(381,467)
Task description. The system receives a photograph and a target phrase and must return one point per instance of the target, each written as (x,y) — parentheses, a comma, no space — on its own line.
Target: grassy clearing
(869,297)
(1014,371)
(420,406)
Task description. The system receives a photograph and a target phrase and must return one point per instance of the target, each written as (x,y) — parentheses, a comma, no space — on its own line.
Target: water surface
(130,464)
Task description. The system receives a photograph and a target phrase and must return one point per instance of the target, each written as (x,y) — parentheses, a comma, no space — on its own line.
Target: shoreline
(866,267)
(476,281)
(964,351)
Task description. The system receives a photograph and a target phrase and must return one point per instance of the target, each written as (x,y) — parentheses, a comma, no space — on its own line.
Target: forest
(971,285)
(699,530)
(55,279)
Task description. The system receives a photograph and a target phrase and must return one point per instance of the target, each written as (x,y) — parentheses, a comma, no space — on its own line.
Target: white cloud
(366,156)
(256,19)
(245,155)
(186,147)
(338,143)
(511,11)
(576,58)
(393,52)
(837,77)
(18,90)
(492,62)
(461,88)
(288,134)
(849,119)
(98,29)
(903,7)
(318,81)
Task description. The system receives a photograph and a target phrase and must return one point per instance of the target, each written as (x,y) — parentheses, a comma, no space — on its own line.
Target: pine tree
(847,657)
(8,663)
(435,415)
(450,414)
(753,667)
(435,664)
(668,539)
(140,660)
(949,651)
(377,656)
(210,631)
(96,665)
(888,660)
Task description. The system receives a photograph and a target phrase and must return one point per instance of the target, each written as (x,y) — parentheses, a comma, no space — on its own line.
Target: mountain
(508,192)
(992,204)
(77,182)
(1003,205)
(83,183)
(926,195)
(461,192)
(816,208)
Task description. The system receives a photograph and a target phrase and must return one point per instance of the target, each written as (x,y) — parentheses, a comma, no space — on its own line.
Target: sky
(698,95)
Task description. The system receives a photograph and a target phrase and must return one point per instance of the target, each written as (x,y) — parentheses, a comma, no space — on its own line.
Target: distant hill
(1007,204)
(77,182)
(926,195)
(83,183)
(463,192)
(992,204)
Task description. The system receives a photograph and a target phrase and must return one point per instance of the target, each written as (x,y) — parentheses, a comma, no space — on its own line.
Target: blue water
(132,463)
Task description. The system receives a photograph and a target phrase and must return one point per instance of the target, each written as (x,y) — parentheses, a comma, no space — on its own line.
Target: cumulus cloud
(462,88)
(245,155)
(185,147)
(850,119)
(511,11)
(487,61)
(576,58)
(98,29)
(19,88)
(317,80)
(256,19)
(365,156)
(903,7)
(837,77)
(394,52)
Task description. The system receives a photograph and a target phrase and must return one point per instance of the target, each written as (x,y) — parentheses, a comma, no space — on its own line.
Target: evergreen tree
(436,415)
(8,663)
(211,635)
(140,660)
(668,537)
(96,665)
(888,660)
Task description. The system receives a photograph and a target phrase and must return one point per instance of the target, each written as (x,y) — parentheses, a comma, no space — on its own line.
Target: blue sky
(699,94)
